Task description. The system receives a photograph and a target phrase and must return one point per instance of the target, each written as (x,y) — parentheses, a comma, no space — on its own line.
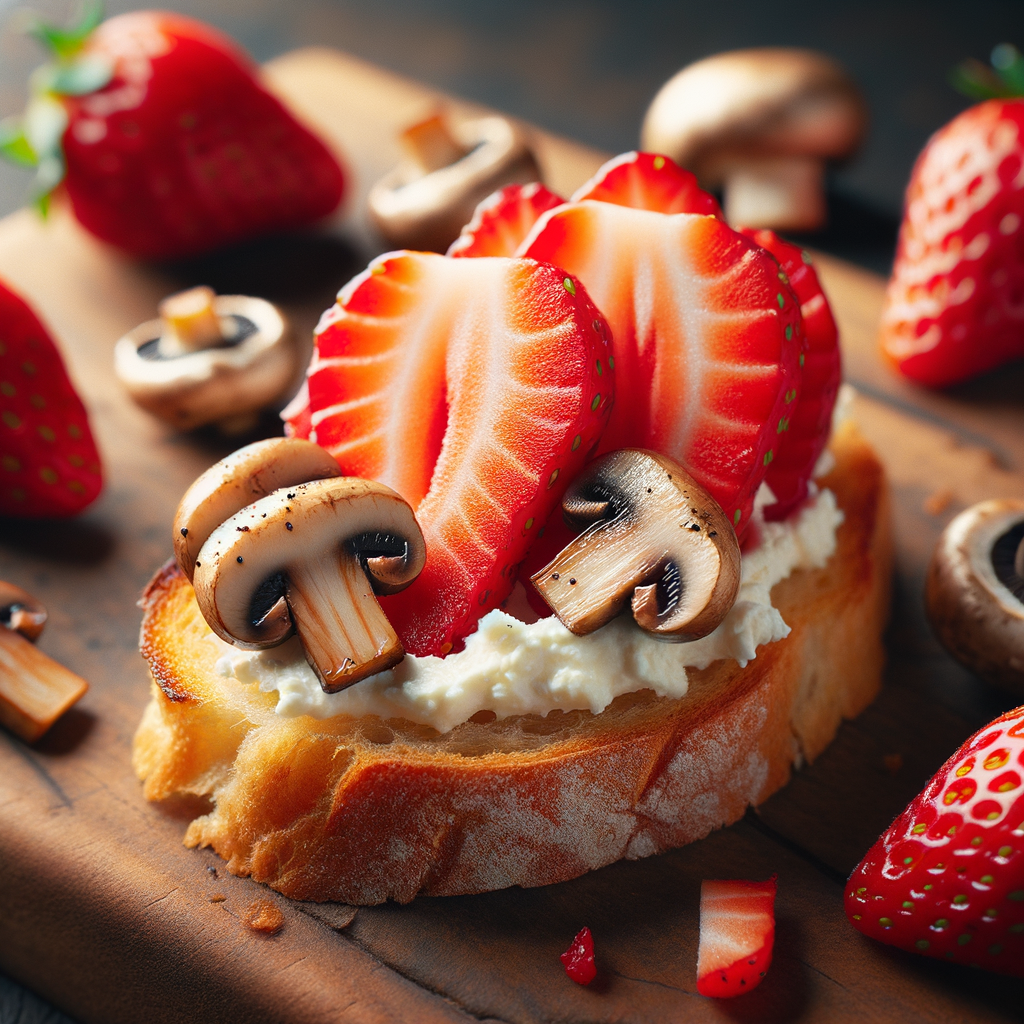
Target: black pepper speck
(288,526)
(239,559)
(184,531)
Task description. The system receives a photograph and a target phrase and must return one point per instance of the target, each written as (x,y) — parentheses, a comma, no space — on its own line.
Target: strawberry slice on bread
(707,337)
(737,933)
(475,388)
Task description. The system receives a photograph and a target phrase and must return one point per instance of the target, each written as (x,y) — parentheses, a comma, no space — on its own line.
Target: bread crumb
(218,897)
(938,501)
(893,763)
(263,916)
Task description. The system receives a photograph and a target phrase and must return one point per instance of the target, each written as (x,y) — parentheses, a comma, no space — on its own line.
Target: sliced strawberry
(706,337)
(476,389)
(503,220)
(648,181)
(805,433)
(946,879)
(737,932)
(49,465)
(578,959)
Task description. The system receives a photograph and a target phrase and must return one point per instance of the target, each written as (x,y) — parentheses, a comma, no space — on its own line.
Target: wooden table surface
(106,914)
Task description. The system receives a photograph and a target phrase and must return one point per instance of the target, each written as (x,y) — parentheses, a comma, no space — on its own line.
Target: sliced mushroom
(424,202)
(760,124)
(243,477)
(650,531)
(20,611)
(209,359)
(326,547)
(35,690)
(974,593)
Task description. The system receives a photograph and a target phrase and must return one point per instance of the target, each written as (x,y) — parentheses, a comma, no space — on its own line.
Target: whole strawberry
(947,877)
(48,460)
(955,307)
(164,140)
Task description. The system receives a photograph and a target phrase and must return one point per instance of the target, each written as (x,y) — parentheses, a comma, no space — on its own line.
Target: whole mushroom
(209,359)
(760,124)
(425,201)
(974,593)
(651,536)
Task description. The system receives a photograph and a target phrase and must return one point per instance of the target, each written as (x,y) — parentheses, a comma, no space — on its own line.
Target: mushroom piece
(425,201)
(326,547)
(650,531)
(209,359)
(760,124)
(35,690)
(20,611)
(243,477)
(974,592)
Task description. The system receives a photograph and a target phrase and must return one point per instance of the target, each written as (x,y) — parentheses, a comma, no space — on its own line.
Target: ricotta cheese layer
(512,667)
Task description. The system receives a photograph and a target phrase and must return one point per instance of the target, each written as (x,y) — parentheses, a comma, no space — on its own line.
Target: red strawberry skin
(805,433)
(476,389)
(955,305)
(648,181)
(503,220)
(737,935)
(946,879)
(49,465)
(578,959)
(184,151)
(706,335)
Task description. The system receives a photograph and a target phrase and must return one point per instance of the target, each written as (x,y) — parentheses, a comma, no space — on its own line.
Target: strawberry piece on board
(955,306)
(49,465)
(946,879)
(578,959)
(805,433)
(706,335)
(737,932)
(648,181)
(503,220)
(165,141)
(475,388)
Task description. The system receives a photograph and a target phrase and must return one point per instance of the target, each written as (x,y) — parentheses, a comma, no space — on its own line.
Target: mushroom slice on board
(974,593)
(35,690)
(650,532)
(209,359)
(326,547)
(761,125)
(238,480)
(425,202)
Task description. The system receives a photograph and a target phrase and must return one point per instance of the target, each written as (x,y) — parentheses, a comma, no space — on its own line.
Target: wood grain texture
(103,910)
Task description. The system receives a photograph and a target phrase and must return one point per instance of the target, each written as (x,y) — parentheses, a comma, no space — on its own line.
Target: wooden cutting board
(105,913)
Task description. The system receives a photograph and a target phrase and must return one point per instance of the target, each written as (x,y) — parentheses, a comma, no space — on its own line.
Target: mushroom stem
(431,144)
(190,322)
(784,193)
(345,633)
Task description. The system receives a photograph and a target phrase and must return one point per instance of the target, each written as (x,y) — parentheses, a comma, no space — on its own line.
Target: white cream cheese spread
(513,667)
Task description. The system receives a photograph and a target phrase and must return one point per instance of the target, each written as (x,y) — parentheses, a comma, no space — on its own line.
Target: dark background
(588,69)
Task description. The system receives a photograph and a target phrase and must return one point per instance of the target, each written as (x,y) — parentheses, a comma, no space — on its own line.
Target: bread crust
(363,810)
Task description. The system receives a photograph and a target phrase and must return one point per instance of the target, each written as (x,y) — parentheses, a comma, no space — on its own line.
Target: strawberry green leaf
(14,146)
(64,43)
(1009,65)
(78,77)
(1003,80)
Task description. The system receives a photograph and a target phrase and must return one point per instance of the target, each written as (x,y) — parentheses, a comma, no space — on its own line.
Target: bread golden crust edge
(364,810)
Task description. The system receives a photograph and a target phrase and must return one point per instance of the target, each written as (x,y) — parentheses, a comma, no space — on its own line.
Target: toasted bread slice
(363,810)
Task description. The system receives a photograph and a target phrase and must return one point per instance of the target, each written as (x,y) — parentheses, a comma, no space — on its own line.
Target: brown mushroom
(35,690)
(974,593)
(243,477)
(425,201)
(650,531)
(760,124)
(326,547)
(209,359)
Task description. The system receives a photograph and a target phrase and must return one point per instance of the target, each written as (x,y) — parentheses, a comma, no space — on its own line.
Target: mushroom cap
(652,535)
(414,210)
(970,605)
(211,384)
(766,102)
(241,478)
(242,568)
(20,611)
